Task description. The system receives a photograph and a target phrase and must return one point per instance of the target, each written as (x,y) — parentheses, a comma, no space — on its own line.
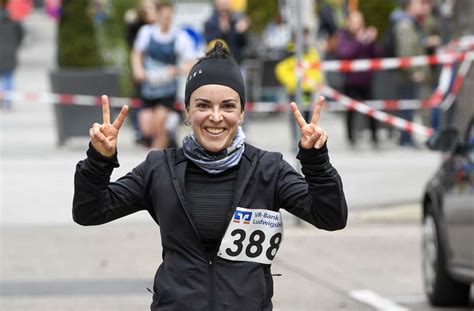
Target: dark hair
(217,51)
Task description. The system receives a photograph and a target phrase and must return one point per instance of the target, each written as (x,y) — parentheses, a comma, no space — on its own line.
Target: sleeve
(142,39)
(318,198)
(185,47)
(96,199)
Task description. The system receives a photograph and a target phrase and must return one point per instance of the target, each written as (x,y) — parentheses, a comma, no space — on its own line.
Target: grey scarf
(214,163)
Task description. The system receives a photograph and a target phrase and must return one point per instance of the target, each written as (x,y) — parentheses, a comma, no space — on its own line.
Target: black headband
(222,71)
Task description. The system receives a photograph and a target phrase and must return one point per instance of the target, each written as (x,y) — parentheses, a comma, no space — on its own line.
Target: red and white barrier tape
(409,104)
(384,117)
(389,63)
(87,100)
(68,99)
(258,106)
(465,43)
(456,86)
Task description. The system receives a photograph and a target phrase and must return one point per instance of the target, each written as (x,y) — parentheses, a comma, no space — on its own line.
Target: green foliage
(261,12)
(377,13)
(112,38)
(77,44)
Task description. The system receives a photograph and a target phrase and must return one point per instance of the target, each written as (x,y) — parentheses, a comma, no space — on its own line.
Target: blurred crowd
(414,28)
(163,51)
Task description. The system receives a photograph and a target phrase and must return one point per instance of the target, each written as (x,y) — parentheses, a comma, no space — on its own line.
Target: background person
(285,72)
(357,42)
(201,194)
(409,42)
(11,35)
(227,26)
(144,14)
(160,54)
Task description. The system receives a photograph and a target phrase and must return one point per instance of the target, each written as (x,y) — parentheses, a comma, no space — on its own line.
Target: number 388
(254,247)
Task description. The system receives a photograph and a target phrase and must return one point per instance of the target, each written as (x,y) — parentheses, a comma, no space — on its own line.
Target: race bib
(253,235)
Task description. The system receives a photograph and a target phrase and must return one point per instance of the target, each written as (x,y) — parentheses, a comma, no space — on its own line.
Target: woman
(217,199)
(358,42)
(160,54)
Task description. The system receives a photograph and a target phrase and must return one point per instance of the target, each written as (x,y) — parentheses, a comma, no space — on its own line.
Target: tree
(77,42)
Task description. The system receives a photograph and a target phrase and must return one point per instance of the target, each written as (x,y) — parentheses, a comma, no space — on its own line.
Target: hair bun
(219,50)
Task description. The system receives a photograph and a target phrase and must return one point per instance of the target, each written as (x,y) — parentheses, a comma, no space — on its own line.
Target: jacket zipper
(170,159)
(211,285)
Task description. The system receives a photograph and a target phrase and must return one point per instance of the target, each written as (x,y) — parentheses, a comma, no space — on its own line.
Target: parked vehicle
(448,220)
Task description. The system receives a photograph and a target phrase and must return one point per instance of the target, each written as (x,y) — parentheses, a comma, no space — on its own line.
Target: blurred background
(405,153)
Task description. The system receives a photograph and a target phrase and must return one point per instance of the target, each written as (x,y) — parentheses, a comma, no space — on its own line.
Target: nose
(216,115)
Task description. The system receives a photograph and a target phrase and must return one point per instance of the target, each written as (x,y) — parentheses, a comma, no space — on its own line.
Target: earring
(241,122)
(187,122)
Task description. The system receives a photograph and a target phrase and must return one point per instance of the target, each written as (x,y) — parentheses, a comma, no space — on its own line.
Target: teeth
(214,130)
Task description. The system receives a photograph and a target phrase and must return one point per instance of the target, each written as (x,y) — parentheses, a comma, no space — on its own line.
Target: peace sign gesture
(104,136)
(312,136)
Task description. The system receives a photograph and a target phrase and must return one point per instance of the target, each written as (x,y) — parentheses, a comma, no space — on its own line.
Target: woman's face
(214,112)
(355,22)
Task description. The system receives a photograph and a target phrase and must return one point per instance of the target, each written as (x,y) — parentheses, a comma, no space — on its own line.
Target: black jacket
(236,41)
(11,35)
(187,279)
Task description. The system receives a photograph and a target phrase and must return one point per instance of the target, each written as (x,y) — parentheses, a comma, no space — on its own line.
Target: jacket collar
(248,164)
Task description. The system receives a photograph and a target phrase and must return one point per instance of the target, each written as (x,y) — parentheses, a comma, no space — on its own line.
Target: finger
(321,141)
(105,109)
(317,110)
(121,117)
(296,112)
(97,133)
(314,138)
(91,134)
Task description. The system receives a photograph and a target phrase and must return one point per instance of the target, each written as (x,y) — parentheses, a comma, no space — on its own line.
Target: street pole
(299,53)
(464,25)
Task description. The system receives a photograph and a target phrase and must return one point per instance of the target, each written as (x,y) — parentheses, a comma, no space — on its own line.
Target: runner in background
(160,54)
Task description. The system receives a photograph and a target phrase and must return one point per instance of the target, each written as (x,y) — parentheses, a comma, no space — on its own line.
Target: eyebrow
(228,100)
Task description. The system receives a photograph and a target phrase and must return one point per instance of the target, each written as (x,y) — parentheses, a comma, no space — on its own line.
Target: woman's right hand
(104,136)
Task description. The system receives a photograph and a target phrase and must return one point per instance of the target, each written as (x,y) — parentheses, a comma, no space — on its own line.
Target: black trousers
(359,93)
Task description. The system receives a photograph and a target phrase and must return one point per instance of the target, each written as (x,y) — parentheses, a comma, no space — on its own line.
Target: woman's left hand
(312,136)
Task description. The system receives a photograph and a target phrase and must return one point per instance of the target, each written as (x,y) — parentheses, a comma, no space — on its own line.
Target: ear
(242,115)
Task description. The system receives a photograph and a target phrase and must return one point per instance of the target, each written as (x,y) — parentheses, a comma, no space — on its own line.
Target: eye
(201,105)
(229,106)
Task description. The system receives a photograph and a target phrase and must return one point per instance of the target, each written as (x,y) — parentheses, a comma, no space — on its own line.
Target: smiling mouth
(214,130)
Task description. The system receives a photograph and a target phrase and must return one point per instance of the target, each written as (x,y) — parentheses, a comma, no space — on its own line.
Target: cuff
(95,156)
(313,155)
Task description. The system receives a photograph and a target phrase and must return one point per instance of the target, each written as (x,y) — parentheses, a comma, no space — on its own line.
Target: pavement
(50,263)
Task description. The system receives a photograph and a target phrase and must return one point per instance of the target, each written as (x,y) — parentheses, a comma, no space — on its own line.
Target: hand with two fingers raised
(312,136)
(104,136)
